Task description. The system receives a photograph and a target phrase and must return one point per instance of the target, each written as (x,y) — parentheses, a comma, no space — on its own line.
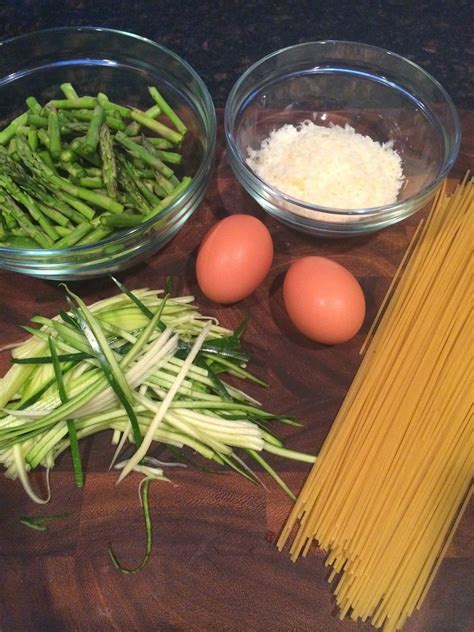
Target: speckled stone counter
(221,39)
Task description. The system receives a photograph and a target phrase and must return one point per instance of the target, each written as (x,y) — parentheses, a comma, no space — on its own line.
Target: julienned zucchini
(145,366)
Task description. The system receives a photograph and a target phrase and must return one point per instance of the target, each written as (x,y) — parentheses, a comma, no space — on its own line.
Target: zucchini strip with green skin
(148,531)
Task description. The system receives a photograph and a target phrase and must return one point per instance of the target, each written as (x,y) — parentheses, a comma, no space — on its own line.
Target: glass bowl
(122,65)
(376,92)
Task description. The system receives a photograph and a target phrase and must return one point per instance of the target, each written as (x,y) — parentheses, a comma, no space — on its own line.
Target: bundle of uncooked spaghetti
(395,472)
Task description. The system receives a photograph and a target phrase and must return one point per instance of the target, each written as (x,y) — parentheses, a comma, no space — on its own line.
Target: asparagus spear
(74,128)
(165,108)
(79,103)
(135,175)
(59,218)
(137,150)
(109,166)
(109,106)
(69,91)
(89,182)
(37,120)
(153,112)
(33,139)
(63,230)
(97,234)
(74,236)
(7,134)
(54,134)
(77,147)
(33,105)
(185,182)
(74,169)
(121,221)
(155,126)
(92,137)
(133,192)
(84,209)
(86,115)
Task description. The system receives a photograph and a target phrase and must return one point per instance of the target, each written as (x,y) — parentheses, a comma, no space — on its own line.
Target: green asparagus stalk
(182,186)
(74,236)
(63,230)
(93,172)
(74,128)
(54,215)
(97,234)
(9,132)
(170,157)
(153,112)
(87,103)
(48,161)
(121,221)
(160,143)
(135,175)
(133,192)
(132,129)
(43,138)
(109,106)
(69,91)
(155,126)
(92,137)
(74,169)
(109,166)
(33,105)
(164,184)
(77,148)
(33,139)
(38,121)
(137,150)
(165,108)
(84,209)
(54,134)
(91,183)
(114,123)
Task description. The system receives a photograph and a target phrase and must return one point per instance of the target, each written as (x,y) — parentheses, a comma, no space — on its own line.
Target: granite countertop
(220,39)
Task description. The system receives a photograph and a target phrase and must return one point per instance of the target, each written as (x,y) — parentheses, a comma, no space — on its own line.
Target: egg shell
(234,258)
(324,300)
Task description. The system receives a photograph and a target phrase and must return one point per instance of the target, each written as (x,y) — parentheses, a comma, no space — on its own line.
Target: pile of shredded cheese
(329,166)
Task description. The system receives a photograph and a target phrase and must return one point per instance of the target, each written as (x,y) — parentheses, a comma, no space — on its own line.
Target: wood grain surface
(215,566)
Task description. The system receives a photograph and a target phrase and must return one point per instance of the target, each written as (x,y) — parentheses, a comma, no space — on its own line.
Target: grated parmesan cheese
(329,166)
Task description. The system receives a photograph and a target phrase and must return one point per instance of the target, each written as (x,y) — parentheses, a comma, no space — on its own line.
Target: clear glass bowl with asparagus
(74,170)
(107,143)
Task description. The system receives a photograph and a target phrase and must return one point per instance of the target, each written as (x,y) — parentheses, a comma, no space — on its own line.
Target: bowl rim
(208,157)
(425,192)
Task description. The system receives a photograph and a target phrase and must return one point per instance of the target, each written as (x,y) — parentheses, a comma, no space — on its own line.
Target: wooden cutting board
(214,565)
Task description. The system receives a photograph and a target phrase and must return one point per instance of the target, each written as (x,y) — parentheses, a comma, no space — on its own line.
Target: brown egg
(324,300)
(234,258)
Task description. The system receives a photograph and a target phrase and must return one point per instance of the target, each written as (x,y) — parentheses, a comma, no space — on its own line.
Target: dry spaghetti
(395,472)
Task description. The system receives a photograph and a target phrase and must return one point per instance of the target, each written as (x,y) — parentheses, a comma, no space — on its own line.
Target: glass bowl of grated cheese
(340,138)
